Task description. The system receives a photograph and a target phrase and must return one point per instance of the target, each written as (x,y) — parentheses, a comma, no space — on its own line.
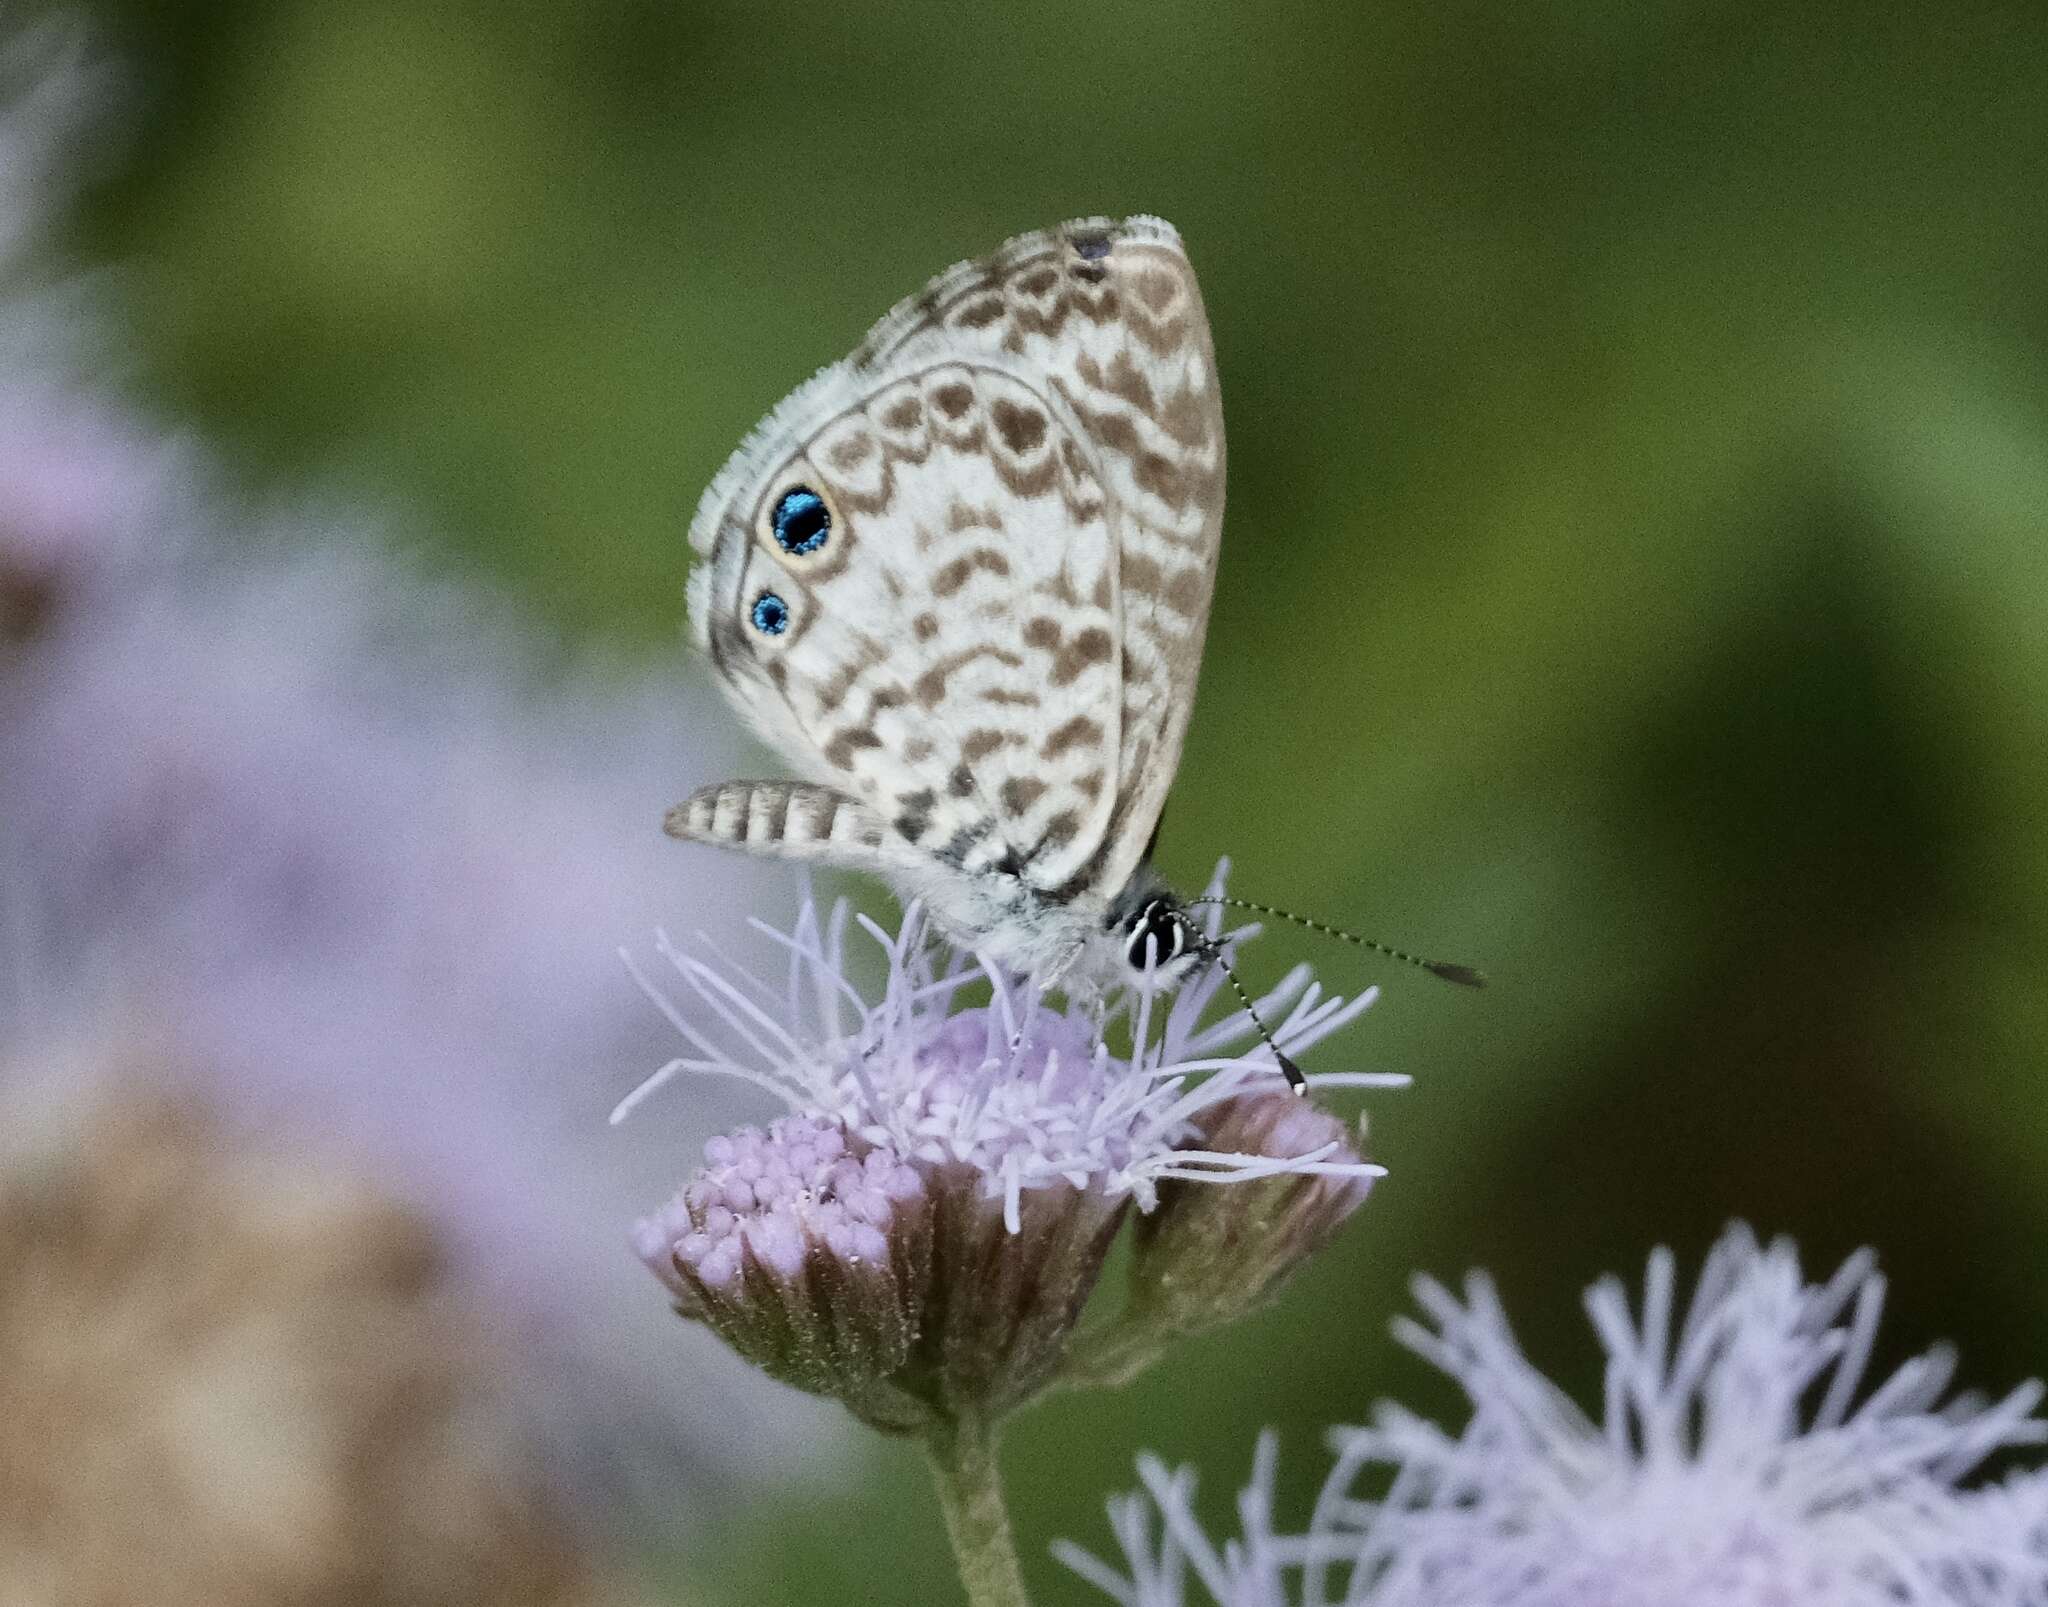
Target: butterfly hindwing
(993,645)
(1110,315)
(948,654)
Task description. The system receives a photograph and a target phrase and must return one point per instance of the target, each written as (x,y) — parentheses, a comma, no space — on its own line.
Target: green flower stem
(963,1453)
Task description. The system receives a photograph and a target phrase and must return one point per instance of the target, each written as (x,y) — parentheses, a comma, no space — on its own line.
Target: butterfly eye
(800,521)
(771,614)
(1158,937)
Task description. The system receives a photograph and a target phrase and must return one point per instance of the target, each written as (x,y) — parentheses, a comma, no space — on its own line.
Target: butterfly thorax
(1087,944)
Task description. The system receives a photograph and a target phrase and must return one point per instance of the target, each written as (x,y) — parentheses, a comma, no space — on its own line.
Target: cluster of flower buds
(809,1252)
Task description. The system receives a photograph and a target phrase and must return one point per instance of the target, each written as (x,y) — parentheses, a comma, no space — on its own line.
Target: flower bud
(1208,1255)
(808,1252)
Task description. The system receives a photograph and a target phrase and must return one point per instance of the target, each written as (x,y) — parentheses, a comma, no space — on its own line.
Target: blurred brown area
(231,1375)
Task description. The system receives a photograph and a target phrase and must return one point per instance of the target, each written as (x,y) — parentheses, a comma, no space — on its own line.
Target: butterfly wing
(1018,481)
(947,654)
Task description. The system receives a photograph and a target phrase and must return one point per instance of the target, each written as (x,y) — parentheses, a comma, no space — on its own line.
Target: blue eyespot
(771,614)
(801,521)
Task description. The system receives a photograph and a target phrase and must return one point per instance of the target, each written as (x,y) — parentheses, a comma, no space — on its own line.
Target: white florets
(1733,1465)
(1026,1094)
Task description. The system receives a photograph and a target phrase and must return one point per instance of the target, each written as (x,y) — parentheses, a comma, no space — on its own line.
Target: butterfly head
(1159,936)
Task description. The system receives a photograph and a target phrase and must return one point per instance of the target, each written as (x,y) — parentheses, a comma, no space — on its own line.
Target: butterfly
(960,580)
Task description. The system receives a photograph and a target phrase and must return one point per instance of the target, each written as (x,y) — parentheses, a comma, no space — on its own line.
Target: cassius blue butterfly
(961,579)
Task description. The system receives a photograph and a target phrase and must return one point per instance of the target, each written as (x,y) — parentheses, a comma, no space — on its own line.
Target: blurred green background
(1636,578)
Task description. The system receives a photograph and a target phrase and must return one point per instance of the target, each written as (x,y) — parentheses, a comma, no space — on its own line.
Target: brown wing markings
(954,399)
(1184,590)
(1183,415)
(845,743)
(1059,831)
(872,652)
(1079,731)
(959,571)
(1019,793)
(979,314)
(1021,454)
(972,835)
(914,815)
(985,740)
(962,515)
(1177,485)
(1023,429)
(852,451)
(931,685)
(1116,252)
(1071,654)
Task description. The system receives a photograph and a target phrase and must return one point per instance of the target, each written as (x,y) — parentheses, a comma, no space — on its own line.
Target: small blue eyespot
(771,614)
(801,521)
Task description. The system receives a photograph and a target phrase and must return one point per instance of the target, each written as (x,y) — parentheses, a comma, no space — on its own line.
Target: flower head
(1030,1137)
(1023,1094)
(1740,1461)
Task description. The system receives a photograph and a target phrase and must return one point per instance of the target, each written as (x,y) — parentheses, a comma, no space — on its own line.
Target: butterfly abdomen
(787,819)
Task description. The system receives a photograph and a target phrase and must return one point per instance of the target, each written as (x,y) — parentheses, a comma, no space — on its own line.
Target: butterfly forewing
(993,645)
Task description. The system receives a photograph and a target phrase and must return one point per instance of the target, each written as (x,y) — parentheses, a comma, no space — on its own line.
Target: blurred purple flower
(85,486)
(1740,1461)
(317,828)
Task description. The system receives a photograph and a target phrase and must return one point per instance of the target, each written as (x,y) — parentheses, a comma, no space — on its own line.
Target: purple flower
(1742,1459)
(1028,1137)
(770,1195)
(809,1252)
(1208,1256)
(1021,1093)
